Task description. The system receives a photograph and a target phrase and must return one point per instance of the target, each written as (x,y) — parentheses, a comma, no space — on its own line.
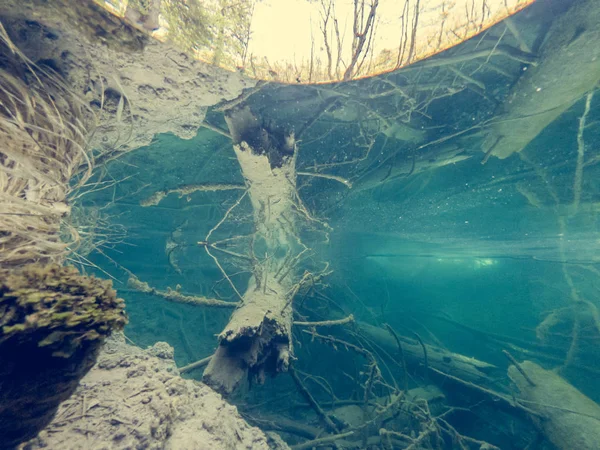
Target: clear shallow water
(473,258)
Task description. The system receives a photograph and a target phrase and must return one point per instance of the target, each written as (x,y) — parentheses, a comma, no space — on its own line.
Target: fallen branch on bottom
(334,342)
(282,424)
(311,401)
(195,365)
(322,441)
(176,296)
(396,400)
(156,198)
(495,395)
(564,415)
(326,323)
(461,366)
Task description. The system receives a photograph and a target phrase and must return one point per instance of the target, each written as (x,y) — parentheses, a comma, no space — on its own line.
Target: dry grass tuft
(42,146)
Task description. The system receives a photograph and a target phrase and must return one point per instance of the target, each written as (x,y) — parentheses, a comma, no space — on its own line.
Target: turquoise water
(467,257)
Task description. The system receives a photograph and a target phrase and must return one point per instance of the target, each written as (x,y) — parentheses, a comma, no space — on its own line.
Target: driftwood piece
(571,420)
(460,366)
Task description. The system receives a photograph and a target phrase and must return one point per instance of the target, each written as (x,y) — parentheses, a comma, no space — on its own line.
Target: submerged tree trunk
(426,357)
(257,339)
(567,418)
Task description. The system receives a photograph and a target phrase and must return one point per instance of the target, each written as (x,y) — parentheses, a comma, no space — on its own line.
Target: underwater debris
(466,368)
(406,163)
(569,419)
(157,197)
(531,197)
(384,415)
(176,296)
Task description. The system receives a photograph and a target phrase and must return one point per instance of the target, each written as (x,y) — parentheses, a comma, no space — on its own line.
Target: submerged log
(571,420)
(257,339)
(568,68)
(460,366)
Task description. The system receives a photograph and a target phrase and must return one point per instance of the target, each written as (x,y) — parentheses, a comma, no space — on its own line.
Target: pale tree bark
(257,340)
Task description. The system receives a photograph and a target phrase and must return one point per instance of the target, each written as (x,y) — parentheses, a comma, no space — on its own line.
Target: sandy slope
(135,398)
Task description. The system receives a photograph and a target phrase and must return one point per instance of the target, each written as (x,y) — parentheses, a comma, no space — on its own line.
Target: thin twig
(580,153)
(345,182)
(346,344)
(321,441)
(424,355)
(489,392)
(213,229)
(310,399)
(195,365)
(326,323)
(401,351)
(512,359)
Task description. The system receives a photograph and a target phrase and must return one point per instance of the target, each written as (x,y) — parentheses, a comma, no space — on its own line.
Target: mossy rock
(57,308)
(53,322)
